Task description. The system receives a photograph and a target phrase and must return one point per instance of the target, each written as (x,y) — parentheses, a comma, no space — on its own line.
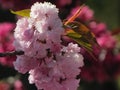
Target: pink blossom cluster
(107,59)
(86,14)
(103,35)
(6,40)
(50,64)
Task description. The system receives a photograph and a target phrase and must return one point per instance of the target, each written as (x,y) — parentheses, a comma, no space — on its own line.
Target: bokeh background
(106,12)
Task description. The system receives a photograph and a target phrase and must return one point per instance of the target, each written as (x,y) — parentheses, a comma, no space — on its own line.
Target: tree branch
(13,53)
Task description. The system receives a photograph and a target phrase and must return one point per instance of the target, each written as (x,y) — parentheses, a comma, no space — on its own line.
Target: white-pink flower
(51,65)
(43,11)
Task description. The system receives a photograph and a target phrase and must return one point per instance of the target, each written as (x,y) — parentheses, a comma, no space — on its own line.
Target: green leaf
(82,35)
(87,38)
(80,40)
(24,13)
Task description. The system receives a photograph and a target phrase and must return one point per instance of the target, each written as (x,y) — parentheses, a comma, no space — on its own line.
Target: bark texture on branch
(13,53)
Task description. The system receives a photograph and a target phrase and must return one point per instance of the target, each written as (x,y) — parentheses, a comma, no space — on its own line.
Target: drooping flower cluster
(50,64)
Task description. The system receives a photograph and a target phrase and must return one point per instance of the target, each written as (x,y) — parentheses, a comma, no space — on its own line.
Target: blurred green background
(107,11)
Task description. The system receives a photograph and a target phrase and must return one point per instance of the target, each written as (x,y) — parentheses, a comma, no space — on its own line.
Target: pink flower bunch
(50,64)
(6,40)
(103,35)
(86,13)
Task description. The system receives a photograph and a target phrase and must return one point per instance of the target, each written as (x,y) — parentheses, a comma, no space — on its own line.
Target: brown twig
(75,15)
(13,53)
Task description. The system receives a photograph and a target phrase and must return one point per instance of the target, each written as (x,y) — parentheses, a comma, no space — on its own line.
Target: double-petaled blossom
(50,64)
